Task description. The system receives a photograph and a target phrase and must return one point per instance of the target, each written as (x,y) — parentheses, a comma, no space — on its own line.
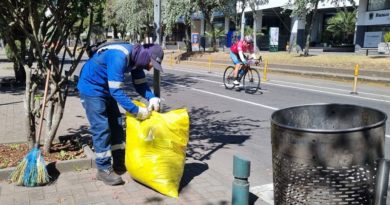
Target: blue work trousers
(105,126)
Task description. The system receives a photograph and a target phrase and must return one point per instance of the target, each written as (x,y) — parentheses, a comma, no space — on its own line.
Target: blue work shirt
(103,75)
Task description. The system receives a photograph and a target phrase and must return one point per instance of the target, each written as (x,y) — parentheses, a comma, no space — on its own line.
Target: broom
(31,171)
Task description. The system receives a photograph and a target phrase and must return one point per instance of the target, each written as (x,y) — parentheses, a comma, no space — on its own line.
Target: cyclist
(237,51)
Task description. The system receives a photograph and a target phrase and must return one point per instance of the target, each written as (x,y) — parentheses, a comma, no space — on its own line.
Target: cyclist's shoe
(236,83)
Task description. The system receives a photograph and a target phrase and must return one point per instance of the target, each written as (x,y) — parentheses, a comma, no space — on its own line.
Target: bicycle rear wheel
(251,81)
(228,77)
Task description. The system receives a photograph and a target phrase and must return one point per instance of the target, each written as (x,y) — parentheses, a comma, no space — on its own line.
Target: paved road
(225,123)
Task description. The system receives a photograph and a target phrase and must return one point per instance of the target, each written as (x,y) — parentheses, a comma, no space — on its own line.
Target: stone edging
(62,166)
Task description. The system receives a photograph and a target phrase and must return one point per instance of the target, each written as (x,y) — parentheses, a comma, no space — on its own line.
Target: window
(374,5)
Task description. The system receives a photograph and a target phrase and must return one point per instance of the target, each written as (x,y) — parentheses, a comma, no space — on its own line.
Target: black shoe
(109,177)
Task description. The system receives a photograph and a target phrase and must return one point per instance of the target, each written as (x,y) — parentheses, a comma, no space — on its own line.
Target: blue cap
(156,56)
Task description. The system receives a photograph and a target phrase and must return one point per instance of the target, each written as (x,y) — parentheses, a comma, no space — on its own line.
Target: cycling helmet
(248,39)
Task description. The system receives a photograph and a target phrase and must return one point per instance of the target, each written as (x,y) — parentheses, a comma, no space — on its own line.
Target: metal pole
(157,26)
(355,79)
(382,180)
(241,171)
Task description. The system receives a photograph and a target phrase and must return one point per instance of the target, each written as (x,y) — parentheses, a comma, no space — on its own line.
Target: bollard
(382,181)
(241,171)
(265,71)
(171,60)
(356,74)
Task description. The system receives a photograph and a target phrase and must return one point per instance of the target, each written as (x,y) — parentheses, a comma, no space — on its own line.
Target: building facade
(372,22)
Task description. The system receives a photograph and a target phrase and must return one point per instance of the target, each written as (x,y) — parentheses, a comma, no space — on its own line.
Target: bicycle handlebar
(253,61)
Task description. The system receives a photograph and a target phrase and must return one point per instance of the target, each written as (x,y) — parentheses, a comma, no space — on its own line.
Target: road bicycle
(249,76)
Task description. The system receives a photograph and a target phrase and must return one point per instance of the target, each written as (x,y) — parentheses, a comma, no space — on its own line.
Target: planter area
(64,162)
(339,49)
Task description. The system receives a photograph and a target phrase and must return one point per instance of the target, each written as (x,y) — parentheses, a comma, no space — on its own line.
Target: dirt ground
(12,154)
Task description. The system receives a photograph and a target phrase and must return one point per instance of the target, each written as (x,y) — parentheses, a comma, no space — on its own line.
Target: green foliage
(133,16)
(63,155)
(4,162)
(303,7)
(342,25)
(248,31)
(173,10)
(218,32)
(386,37)
(10,53)
(14,146)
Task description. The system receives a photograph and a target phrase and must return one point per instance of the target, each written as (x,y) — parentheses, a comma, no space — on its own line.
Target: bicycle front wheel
(228,77)
(251,81)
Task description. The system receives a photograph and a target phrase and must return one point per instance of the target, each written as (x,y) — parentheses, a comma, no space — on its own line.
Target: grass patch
(345,61)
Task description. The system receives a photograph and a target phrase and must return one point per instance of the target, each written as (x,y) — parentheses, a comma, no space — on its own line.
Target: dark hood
(140,57)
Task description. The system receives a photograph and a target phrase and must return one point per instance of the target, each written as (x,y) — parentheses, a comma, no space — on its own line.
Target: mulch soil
(12,154)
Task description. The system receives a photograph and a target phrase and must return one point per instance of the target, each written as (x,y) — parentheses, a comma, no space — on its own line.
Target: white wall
(283,3)
(374,17)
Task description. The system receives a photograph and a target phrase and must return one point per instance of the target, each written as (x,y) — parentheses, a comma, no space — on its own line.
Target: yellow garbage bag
(156,149)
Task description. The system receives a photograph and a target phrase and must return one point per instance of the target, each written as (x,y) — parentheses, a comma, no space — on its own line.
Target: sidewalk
(201,185)
(201,188)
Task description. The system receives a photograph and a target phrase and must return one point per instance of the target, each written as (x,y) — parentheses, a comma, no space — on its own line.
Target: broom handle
(43,106)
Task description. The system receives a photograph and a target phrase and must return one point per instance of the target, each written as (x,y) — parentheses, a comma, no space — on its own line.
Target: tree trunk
(306,53)
(188,36)
(164,41)
(20,73)
(57,117)
(29,119)
(115,30)
(243,20)
(255,15)
(213,37)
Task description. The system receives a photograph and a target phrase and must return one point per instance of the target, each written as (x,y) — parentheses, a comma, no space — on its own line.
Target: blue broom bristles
(31,171)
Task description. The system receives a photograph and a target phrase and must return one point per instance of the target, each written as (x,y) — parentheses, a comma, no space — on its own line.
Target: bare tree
(47,25)
(254,4)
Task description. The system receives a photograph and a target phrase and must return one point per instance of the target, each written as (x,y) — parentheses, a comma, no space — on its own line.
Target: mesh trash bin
(326,153)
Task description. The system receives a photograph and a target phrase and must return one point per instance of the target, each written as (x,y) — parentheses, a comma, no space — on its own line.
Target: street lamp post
(157,27)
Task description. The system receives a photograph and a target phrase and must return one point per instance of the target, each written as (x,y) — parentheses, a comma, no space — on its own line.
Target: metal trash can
(326,153)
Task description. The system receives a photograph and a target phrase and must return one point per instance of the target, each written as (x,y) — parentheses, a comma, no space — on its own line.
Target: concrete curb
(62,166)
(329,75)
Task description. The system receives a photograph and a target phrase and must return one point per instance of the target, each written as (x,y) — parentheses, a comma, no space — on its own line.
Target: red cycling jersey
(239,46)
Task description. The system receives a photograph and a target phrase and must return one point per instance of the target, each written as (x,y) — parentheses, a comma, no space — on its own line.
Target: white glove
(154,104)
(143,113)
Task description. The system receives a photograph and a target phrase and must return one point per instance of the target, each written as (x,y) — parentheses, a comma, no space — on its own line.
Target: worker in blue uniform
(101,86)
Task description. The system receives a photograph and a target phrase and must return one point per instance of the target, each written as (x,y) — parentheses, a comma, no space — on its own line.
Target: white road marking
(300,88)
(261,105)
(224,96)
(337,89)
(331,93)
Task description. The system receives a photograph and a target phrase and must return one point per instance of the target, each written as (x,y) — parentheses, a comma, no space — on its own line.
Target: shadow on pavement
(252,198)
(80,135)
(191,170)
(53,172)
(12,88)
(208,133)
